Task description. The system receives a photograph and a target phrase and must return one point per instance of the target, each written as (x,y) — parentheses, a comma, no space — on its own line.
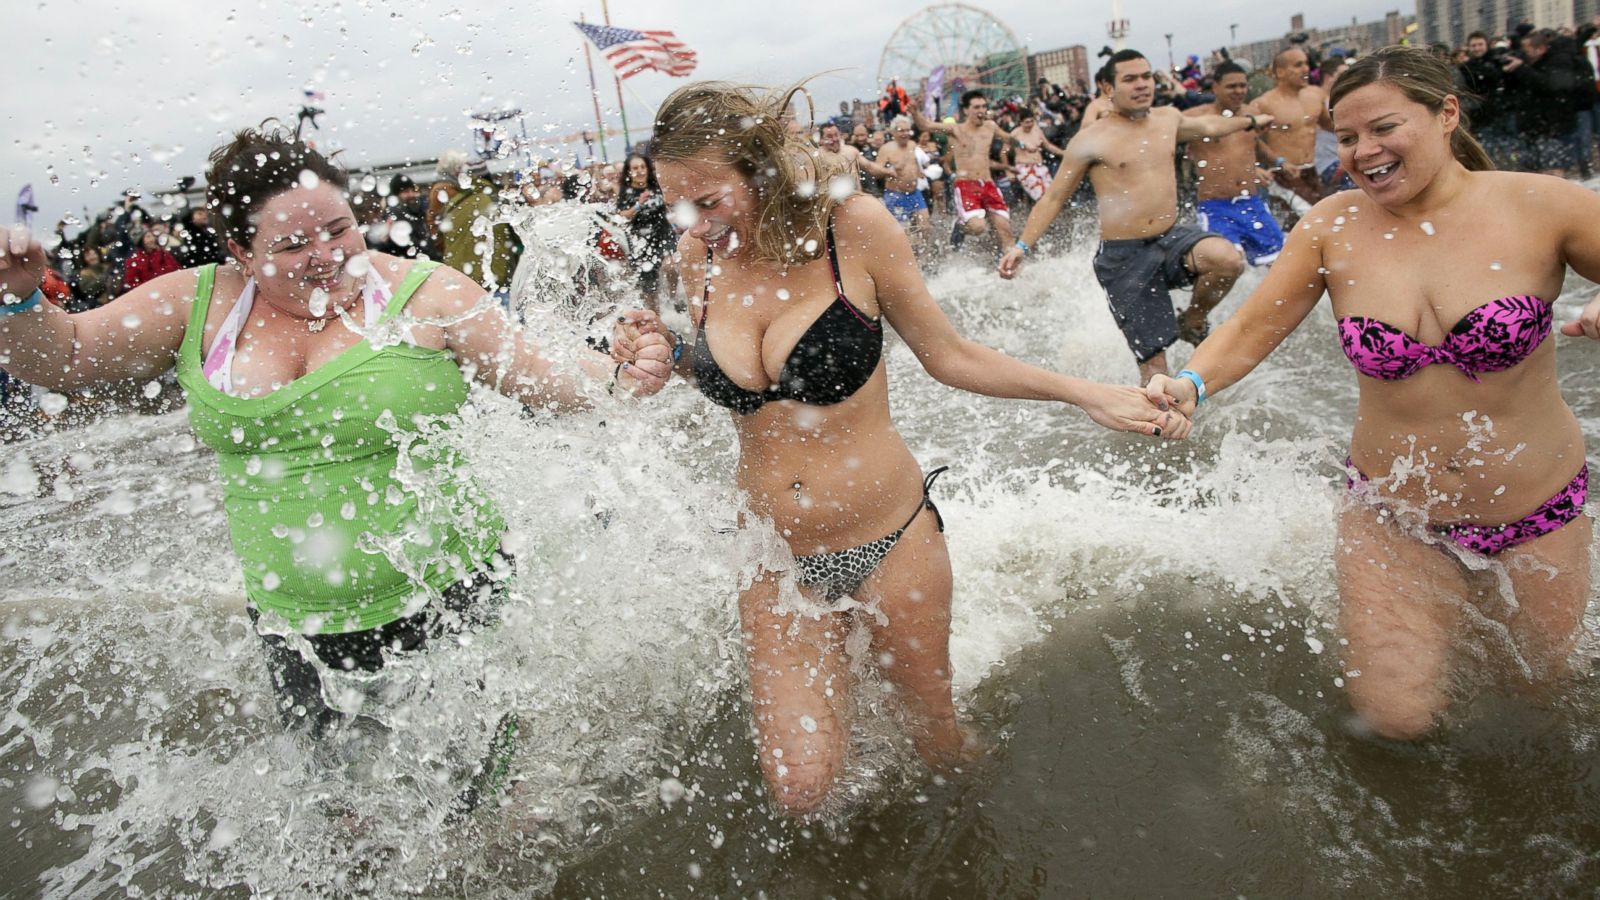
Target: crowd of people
(814,235)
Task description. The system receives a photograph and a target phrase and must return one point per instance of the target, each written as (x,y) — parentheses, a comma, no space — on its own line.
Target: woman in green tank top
(308,417)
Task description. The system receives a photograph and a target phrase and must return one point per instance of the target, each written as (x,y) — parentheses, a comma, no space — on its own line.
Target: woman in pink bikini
(1441,273)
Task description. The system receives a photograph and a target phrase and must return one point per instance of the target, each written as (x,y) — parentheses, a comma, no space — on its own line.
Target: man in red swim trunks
(978,201)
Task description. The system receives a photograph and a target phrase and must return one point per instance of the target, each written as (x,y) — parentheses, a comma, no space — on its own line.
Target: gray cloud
(105,94)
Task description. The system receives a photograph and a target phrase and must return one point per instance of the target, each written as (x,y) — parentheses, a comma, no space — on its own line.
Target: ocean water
(1145,633)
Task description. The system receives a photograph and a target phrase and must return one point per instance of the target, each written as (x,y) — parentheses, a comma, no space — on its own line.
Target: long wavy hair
(745,127)
(1423,78)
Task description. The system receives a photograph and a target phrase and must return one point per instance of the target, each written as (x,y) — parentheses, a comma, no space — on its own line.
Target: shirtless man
(978,201)
(899,167)
(1144,254)
(1032,173)
(1228,181)
(831,139)
(1290,145)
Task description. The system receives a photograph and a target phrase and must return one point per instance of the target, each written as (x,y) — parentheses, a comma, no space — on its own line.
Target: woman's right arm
(136,335)
(1292,288)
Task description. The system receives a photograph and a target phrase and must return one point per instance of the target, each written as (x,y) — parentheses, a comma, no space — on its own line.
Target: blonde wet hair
(746,127)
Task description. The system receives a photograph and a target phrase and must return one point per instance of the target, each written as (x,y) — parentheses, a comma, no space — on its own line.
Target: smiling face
(1390,144)
(830,139)
(711,201)
(638,173)
(1292,69)
(1232,89)
(305,240)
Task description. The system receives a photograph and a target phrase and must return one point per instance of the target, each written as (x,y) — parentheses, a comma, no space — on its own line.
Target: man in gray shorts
(1137,274)
(1128,156)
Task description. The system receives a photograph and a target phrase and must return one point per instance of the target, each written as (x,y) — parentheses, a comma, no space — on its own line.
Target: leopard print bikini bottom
(841,572)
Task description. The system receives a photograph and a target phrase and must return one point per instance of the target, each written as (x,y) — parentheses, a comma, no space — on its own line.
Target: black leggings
(466,605)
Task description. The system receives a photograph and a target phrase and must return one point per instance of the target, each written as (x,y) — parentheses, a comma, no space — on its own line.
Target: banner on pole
(932,93)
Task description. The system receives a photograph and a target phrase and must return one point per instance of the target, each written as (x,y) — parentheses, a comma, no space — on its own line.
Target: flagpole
(594,94)
(622,109)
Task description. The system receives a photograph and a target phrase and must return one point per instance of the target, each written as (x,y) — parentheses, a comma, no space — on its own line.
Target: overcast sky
(99,95)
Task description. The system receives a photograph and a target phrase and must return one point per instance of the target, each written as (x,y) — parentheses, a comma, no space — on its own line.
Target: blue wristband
(1023,245)
(677,346)
(33,299)
(1198,382)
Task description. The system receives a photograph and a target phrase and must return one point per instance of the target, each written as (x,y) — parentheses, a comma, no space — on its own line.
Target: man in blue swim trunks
(1228,182)
(901,167)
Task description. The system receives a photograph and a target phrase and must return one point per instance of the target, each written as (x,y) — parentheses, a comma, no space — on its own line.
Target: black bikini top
(830,362)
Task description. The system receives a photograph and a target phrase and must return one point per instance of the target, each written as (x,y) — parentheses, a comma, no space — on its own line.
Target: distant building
(1450,21)
(1355,39)
(1067,66)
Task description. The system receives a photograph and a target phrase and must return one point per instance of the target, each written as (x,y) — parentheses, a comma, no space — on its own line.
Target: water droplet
(309,179)
(53,404)
(318,304)
(1427,228)
(1495,265)
(131,320)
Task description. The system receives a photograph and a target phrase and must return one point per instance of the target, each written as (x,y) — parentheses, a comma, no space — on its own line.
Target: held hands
(640,343)
(1124,408)
(1587,324)
(1011,263)
(1178,393)
(21,265)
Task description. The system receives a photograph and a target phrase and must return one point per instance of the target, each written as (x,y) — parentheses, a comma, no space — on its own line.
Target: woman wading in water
(793,285)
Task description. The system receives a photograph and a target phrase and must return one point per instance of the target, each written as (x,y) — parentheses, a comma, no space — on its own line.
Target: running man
(900,169)
(1144,252)
(1032,173)
(1290,145)
(831,139)
(979,204)
(1227,179)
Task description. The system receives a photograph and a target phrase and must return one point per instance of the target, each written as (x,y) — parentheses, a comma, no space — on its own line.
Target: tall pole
(622,110)
(1172,66)
(594,93)
(1118,28)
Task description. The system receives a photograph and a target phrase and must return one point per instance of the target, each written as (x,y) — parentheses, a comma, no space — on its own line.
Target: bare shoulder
(1534,193)
(445,290)
(863,215)
(1204,109)
(1330,214)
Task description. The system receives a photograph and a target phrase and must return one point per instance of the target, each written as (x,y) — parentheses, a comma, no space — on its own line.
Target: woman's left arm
(504,357)
(903,297)
(1579,209)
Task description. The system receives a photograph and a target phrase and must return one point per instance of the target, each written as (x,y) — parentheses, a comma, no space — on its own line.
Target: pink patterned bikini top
(1491,338)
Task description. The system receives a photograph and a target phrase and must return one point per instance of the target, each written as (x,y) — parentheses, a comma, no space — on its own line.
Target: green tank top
(331,537)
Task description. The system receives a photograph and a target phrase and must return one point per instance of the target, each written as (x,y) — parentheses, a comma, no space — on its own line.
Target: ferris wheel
(976,50)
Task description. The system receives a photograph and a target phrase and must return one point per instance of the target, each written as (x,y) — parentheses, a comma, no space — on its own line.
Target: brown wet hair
(1423,78)
(257,165)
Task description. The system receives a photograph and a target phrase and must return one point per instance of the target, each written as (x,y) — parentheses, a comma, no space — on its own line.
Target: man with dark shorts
(1144,253)
(1297,107)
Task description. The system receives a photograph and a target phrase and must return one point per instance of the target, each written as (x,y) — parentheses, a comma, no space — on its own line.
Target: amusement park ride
(954,47)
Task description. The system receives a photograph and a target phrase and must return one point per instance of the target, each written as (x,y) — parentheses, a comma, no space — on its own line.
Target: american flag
(630,52)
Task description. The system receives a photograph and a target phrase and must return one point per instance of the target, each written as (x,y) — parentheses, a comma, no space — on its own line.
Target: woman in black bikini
(794,290)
